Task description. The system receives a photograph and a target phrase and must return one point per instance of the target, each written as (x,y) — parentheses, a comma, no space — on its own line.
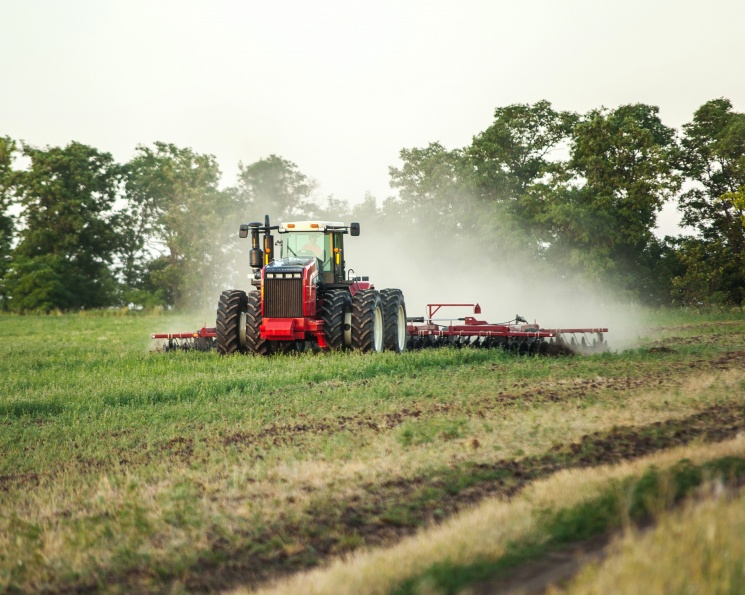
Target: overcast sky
(339,87)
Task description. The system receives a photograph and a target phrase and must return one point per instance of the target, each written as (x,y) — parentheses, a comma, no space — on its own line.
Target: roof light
(314,225)
(290,225)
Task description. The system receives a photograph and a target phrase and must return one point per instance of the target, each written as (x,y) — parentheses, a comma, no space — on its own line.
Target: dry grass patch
(697,550)
(485,531)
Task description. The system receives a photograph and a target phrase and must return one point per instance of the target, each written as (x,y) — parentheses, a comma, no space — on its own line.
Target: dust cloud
(435,266)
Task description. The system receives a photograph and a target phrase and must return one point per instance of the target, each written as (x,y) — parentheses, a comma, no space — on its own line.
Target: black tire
(231,320)
(336,304)
(367,321)
(394,315)
(254,342)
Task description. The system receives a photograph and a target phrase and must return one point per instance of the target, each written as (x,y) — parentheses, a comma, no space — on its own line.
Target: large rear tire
(394,315)
(231,322)
(367,321)
(254,342)
(336,304)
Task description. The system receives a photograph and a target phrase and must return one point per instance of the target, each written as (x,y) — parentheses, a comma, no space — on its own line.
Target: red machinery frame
(427,327)
(474,328)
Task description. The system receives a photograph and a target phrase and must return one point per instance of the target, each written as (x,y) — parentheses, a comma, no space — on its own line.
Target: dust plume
(435,264)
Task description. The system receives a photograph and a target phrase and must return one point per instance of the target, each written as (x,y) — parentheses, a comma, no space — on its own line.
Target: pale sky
(339,87)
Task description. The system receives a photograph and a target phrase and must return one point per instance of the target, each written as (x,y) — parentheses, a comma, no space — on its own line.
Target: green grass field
(124,469)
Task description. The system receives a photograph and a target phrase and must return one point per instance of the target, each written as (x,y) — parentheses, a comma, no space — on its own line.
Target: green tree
(183,228)
(514,153)
(333,209)
(430,186)
(8,149)
(713,161)
(495,190)
(273,186)
(620,173)
(70,234)
(514,167)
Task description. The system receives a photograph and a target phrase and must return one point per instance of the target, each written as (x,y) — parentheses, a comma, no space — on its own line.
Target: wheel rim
(348,327)
(378,330)
(242,329)
(401,328)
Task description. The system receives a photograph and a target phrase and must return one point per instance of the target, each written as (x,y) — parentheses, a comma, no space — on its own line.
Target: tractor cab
(323,240)
(300,242)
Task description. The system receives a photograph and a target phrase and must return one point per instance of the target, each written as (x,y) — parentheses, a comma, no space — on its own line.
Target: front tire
(254,342)
(394,310)
(367,321)
(231,322)
(336,304)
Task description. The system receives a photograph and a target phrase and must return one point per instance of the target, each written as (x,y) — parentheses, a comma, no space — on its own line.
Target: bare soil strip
(534,578)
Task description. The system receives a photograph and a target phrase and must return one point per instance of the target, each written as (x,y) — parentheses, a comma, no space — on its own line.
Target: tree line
(569,192)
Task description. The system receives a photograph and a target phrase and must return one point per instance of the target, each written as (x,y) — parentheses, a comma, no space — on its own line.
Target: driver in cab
(313,247)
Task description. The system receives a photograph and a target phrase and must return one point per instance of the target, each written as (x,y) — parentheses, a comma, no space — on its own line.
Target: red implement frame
(202,340)
(517,335)
(473,329)
(204,333)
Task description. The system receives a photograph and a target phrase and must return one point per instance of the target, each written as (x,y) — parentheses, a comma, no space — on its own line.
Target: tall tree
(495,188)
(620,173)
(713,161)
(430,185)
(183,226)
(514,153)
(70,234)
(514,164)
(273,186)
(8,149)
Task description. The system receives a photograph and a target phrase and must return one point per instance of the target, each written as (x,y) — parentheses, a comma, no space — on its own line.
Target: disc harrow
(516,336)
(205,339)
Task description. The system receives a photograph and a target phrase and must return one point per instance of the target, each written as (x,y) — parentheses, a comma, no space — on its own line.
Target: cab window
(305,244)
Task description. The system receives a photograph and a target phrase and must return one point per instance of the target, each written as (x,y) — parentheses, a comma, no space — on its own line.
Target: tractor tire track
(184,449)
(522,393)
(392,510)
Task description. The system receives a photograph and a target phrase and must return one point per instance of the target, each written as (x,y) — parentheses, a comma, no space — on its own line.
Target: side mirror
(243,232)
(354,229)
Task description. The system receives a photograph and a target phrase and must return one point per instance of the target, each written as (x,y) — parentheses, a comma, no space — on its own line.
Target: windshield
(305,244)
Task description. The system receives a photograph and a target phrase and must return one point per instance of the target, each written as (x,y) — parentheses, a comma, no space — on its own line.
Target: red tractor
(305,295)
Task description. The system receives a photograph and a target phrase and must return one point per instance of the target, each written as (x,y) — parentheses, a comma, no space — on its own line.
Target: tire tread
(364,303)
(254,342)
(392,298)
(231,304)
(335,303)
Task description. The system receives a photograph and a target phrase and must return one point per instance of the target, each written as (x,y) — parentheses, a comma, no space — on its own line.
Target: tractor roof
(310,226)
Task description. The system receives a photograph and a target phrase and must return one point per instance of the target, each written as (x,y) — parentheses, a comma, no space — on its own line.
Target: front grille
(283,298)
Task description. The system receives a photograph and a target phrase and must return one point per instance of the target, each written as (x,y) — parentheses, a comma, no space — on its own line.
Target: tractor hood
(293,267)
